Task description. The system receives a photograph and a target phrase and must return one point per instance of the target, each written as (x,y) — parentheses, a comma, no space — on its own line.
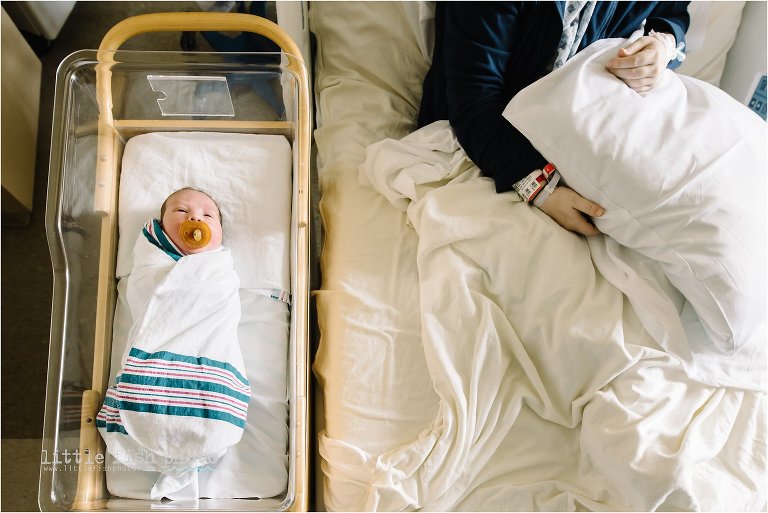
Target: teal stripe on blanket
(189,384)
(111,427)
(164,409)
(182,411)
(157,237)
(139,368)
(195,360)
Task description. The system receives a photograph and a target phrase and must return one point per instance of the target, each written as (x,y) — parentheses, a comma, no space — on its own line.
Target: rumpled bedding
(662,165)
(181,397)
(553,395)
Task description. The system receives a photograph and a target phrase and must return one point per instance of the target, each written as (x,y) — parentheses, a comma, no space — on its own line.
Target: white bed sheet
(370,361)
(257,229)
(378,392)
(528,330)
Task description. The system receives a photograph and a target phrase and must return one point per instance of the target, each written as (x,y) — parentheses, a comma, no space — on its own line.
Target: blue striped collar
(155,234)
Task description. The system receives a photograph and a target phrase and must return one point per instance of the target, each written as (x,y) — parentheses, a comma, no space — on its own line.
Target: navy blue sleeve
(478,39)
(481,41)
(672,18)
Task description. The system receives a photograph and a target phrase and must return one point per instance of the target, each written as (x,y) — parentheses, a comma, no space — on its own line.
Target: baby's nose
(193,217)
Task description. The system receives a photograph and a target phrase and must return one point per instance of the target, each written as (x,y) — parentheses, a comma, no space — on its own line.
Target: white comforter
(552,394)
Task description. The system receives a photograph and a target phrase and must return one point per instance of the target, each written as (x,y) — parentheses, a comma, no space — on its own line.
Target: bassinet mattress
(380,363)
(249,176)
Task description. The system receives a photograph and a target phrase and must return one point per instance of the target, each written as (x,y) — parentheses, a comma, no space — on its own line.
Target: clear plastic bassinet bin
(103,99)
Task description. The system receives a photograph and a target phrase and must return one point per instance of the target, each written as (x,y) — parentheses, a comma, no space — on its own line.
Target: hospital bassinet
(102,100)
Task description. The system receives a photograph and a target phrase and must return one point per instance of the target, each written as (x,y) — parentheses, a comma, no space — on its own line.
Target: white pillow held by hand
(681,173)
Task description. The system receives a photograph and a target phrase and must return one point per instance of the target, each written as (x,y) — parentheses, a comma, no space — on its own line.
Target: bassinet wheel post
(91,484)
(91,488)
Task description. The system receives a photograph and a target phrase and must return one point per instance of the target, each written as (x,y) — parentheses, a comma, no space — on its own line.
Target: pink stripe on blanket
(205,404)
(110,418)
(166,363)
(188,375)
(159,362)
(176,391)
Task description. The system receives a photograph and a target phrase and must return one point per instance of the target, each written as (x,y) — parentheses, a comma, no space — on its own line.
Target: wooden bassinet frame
(91,486)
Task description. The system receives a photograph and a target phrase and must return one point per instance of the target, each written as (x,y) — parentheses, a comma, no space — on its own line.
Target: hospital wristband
(548,170)
(530,186)
(544,195)
(668,40)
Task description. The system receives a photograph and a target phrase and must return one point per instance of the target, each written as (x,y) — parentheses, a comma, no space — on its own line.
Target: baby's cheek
(173,233)
(217,236)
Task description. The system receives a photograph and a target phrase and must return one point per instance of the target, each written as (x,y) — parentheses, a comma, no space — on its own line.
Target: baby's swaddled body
(181,397)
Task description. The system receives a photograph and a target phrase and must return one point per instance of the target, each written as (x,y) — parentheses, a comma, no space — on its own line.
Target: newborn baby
(192,220)
(181,397)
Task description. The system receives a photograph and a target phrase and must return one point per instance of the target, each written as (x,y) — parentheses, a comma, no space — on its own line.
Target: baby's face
(191,205)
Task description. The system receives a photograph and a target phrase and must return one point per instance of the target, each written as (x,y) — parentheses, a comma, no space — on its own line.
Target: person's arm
(478,42)
(670,18)
(479,38)
(641,63)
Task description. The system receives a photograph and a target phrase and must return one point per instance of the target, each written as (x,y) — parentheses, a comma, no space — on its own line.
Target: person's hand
(568,208)
(640,64)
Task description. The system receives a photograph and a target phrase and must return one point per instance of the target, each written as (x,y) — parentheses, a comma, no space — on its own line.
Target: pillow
(709,38)
(248,175)
(681,173)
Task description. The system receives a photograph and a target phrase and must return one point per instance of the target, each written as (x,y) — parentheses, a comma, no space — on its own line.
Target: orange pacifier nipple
(195,234)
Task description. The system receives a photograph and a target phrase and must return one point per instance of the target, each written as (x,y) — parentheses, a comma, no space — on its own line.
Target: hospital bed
(434,394)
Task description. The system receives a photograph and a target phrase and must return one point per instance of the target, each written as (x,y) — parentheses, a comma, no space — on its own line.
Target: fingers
(635,46)
(582,204)
(576,221)
(635,54)
(640,72)
(640,64)
(641,86)
(582,226)
(566,207)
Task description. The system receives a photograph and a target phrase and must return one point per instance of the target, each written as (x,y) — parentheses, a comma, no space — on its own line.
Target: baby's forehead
(190,195)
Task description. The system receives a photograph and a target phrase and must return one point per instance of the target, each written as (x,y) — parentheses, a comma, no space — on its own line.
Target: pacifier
(195,234)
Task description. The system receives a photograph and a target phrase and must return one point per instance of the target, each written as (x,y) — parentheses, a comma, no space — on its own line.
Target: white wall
(747,56)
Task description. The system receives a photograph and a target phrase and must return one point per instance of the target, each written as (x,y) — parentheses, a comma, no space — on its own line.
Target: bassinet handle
(168,22)
(196,21)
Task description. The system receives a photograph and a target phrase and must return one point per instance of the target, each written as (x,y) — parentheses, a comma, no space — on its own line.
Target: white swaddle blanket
(181,397)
